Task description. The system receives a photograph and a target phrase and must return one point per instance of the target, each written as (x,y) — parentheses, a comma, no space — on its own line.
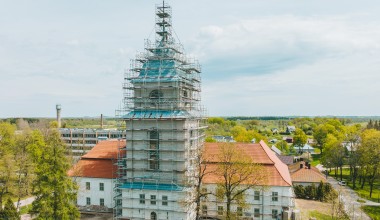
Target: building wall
(265,203)
(94,193)
(134,209)
(81,141)
(305,183)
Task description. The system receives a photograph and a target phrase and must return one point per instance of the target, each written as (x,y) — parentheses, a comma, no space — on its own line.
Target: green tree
(55,192)
(353,140)
(370,156)
(333,127)
(299,190)
(7,142)
(299,139)
(23,165)
(239,173)
(9,212)
(283,146)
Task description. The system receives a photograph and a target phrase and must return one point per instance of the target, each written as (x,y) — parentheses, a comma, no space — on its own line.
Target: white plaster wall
(265,204)
(94,193)
(134,210)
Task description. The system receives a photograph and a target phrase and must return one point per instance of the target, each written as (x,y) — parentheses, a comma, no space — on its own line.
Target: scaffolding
(164,120)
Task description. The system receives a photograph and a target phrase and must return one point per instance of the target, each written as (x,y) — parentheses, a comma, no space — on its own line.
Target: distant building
(273,141)
(275,131)
(220,138)
(288,140)
(303,173)
(288,160)
(351,147)
(306,148)
(290,129)
(95,174)
(81,141)
(276,150)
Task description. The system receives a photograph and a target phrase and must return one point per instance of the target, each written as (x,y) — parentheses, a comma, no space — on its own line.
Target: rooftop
(100,161)
(307,175)
(278,173)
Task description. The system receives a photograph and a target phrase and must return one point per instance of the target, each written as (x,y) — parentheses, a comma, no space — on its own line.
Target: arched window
(154,143)
(153,216)
(155,94)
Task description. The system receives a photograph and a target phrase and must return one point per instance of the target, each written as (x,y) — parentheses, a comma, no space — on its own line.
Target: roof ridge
(277,162)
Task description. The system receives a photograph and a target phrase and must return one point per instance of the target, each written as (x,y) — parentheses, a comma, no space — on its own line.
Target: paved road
(25,202)
(349,198)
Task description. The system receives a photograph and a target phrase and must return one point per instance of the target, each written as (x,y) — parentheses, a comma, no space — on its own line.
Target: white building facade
(96,173)
(95,192)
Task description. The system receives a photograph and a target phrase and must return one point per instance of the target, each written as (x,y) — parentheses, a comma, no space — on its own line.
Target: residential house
(303,173)
(290,129)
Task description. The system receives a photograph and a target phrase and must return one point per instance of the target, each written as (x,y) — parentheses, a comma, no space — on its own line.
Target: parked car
(342,183)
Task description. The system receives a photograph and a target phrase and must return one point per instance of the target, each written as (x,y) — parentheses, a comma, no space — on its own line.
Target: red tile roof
(278,173)
(106,149)
(306,175)
(100,161)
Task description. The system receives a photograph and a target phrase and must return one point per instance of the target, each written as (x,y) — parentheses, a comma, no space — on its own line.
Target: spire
(164,23)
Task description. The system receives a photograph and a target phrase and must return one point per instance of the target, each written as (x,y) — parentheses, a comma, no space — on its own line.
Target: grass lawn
(364,193)
(320,216)
(25,209)
(316,158)
(372,211)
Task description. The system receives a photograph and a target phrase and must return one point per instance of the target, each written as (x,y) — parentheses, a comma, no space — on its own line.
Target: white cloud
(333,67)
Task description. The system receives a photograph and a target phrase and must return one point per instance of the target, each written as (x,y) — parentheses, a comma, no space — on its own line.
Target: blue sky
(272,57)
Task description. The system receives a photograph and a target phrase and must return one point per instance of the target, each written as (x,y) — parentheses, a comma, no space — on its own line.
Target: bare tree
(238,173)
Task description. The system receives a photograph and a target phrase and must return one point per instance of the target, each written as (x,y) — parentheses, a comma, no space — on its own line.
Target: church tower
(164,124)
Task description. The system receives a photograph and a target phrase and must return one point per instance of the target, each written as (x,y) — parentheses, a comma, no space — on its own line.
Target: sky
(259,58)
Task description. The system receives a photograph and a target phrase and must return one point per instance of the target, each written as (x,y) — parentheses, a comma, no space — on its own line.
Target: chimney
(58,108)
(101,121)
(308,166)
(301,165)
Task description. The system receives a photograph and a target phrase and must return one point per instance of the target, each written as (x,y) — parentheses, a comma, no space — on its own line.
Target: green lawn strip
(25,209)
(319,216)
(316,158)
(372,211)
(364,193)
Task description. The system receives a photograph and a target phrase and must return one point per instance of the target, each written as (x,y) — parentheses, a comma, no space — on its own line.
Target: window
(164,200)
(257,195)
(239,211)
(256,213)
(155,94)
(101,202)
(274,213)
(154,150)
(153,216)
(153,199)
(142,198)
(101,186)
(220,210)
(274,196)
(204,209)
(88,201)
(88,186)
